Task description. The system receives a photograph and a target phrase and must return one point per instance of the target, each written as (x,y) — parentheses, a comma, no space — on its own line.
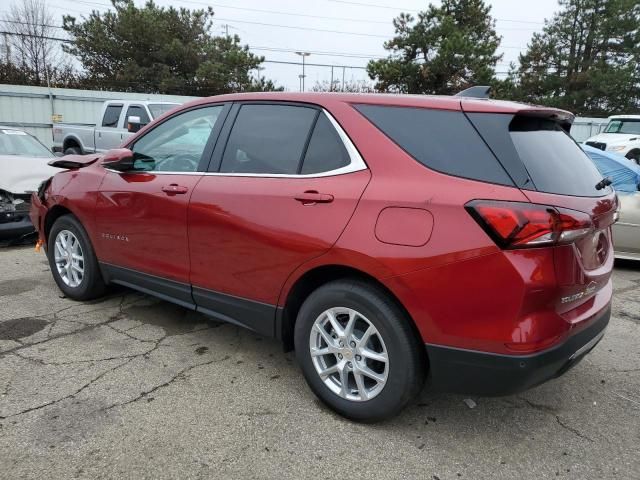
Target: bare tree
(30,28)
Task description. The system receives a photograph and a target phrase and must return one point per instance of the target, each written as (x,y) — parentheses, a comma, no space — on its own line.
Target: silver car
(625,175)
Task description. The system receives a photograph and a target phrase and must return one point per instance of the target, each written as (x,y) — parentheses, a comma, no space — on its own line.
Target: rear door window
(111,116)
(325,152)
(268,139)
(442,140)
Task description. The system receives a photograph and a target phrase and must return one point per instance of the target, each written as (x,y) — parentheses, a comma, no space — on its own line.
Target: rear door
(280,191)
(551,169)
(108,133)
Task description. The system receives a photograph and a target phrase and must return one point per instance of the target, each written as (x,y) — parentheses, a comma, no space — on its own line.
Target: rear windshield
(539,155)
(442,140)
(554,161)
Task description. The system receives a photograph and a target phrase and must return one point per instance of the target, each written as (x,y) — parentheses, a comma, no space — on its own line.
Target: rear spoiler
(561,117)
(74,161)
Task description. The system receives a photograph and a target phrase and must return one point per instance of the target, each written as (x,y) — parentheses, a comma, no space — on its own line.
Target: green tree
(160,50)
(446,49)
(585,60)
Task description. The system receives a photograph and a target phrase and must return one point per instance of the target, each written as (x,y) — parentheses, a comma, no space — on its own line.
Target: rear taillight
(526,225)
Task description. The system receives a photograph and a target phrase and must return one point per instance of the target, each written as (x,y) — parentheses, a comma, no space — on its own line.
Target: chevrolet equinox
(390,240)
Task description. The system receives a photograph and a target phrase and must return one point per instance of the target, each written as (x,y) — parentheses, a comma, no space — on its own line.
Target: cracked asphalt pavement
(132,387)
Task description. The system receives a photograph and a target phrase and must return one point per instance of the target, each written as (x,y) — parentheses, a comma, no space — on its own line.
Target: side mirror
(134,123)
(120,159)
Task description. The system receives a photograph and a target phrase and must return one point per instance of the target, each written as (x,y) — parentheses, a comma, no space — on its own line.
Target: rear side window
(111,116)
(439,139)
(325,152)
(554,161)
(268,139)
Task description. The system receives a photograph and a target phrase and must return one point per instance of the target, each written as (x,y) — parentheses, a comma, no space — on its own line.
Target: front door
(142,214)
(285,189)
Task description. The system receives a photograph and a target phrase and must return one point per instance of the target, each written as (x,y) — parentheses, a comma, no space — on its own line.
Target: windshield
(17,142)
(630,127)
(158,109)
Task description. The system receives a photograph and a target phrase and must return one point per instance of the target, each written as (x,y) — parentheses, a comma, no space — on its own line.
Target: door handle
(174,189)
(311,197)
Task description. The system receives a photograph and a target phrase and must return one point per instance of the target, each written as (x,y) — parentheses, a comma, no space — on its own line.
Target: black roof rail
(475,92)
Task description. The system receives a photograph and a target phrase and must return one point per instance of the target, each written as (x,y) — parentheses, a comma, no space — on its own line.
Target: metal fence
(584,127)
(35,109)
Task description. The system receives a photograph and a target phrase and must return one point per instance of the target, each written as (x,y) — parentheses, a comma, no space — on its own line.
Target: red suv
(388,239)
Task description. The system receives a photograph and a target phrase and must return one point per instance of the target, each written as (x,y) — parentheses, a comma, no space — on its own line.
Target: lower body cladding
(457,370)
(451,369)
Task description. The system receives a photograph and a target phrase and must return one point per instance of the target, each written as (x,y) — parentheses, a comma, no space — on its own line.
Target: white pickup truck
(621,136)
(118,120)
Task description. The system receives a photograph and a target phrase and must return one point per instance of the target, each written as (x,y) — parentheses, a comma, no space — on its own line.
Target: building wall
(32,108)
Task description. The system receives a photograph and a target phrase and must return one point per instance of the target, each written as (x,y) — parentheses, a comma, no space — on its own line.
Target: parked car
(621,136)
(117,121)
(626,180)
(386,238)
(23,166)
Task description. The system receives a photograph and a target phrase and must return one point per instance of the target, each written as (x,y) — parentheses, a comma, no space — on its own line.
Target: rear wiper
(604,183)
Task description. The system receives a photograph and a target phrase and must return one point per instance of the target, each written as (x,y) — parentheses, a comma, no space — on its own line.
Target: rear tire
(73,151)
(72,260)
(389,359)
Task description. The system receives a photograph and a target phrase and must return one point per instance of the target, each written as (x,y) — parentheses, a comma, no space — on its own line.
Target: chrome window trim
(356,163)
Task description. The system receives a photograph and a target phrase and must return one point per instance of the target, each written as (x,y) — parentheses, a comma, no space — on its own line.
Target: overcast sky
(335,32)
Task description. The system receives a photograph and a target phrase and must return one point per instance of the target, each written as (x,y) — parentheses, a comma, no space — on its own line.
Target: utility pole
(303,55)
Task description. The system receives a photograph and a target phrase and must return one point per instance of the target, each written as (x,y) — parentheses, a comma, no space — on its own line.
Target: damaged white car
(23,166)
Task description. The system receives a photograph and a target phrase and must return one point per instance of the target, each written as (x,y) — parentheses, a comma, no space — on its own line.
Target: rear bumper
(472,372)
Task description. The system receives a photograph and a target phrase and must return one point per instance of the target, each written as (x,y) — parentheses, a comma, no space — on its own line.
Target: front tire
(358,350)
(72,260)
(634,155)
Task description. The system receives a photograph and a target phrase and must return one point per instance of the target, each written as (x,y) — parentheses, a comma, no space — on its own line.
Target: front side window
(111,116)
(177,144)
(268,139)
(138,111)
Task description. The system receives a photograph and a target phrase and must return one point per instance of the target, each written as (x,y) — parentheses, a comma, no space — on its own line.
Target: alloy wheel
(69,258)
(349,354)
